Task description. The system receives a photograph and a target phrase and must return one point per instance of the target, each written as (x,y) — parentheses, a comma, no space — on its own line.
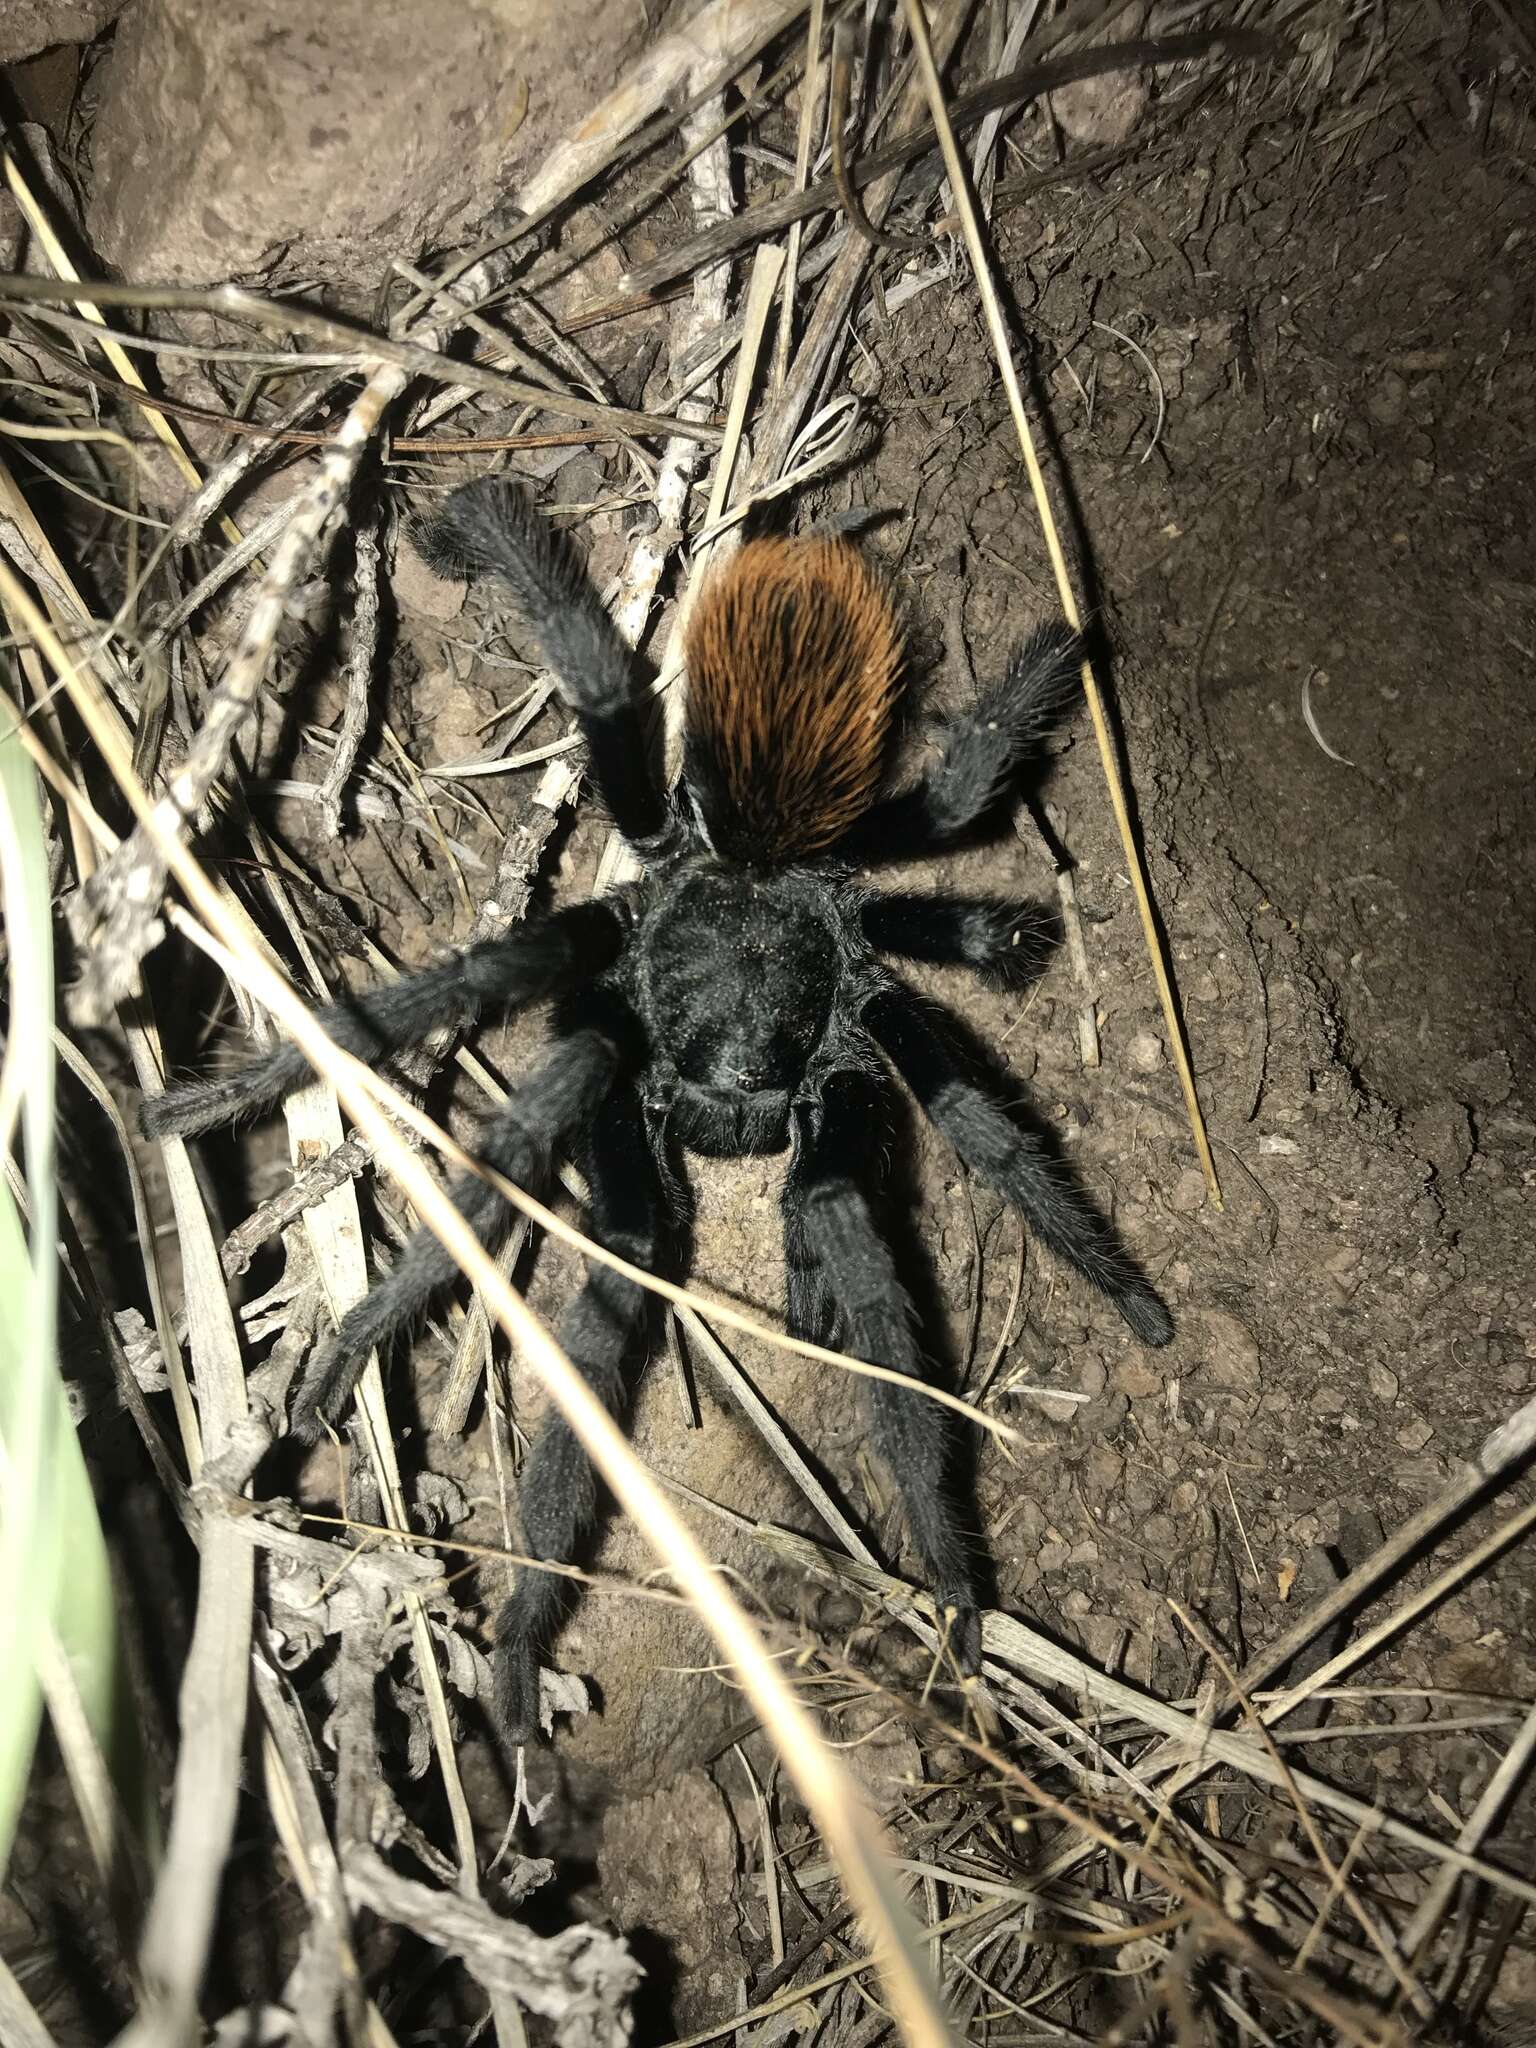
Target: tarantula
(732,1001)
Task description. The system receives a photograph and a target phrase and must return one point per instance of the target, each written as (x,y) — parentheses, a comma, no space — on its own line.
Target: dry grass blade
(997,329)
(409,358)
(1033,81)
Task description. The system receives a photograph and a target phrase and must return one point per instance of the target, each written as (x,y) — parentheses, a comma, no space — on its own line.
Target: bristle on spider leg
(516,1144)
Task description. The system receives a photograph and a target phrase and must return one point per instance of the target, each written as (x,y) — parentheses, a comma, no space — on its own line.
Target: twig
(827,326)
(1031,82)
(116,916)
(1500,1789)
(416,358)
(360,664)
(997,328)
(837,125)
(1088,1048)
(810,102)
(580,1980)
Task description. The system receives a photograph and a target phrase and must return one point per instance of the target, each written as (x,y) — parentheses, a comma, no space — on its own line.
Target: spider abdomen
(794,668)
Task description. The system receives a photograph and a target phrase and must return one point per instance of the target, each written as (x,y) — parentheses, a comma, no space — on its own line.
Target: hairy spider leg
(571,945)
(491,529)
(556,1099)
(1014,1160)
(601,1330)
(980,754)
(844,1291)
(1007,944)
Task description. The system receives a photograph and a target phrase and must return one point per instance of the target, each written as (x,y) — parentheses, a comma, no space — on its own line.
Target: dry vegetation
(265,1794)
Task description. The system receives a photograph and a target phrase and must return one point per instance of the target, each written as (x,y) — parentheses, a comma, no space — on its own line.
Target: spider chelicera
(734,1000)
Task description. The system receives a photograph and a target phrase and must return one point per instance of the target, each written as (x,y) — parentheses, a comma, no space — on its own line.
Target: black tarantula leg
(1007,944)
(555,1099)
(1016,1161)
(491,529)
(558,1488)
(520,968)
(844,1291)
(980,753)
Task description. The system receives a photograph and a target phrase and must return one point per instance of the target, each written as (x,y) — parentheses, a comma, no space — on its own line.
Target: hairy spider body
(734,1000)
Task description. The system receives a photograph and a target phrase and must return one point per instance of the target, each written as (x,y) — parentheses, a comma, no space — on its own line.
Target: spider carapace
(738,998)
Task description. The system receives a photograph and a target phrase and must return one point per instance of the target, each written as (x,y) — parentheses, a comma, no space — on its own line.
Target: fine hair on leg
(500,973)
(981,753)
(1013,1159)
(491,530)
(844,1290)
(558,1489)
(517,1143)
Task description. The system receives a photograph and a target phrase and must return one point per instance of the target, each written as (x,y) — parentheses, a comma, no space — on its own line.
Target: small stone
(1383,1382)
(1085,1554)
(1413,1436)
(1488,1080)
(1386,402)
(1053,1556)
(1273,1146)
(1092,1377)
(1137,1380)
(1188,1192)
(1328,1401)
(1105,1469)
(1145,1052)
(1232,1351)
(1103,1637)
(1185,1497)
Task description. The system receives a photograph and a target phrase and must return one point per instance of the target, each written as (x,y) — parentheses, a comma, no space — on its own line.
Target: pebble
(1232,1351)
(1188,1192)
(1145,1052)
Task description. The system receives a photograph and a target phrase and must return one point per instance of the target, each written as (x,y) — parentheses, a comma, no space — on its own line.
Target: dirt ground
(1291,381)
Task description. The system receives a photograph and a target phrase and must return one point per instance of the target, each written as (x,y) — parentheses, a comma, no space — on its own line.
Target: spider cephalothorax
(733,1000)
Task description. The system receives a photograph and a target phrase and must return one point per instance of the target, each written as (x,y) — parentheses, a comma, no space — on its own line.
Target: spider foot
(960,1634)
(517,1702)
(1146,1313)
(1008,944)
(324,1391)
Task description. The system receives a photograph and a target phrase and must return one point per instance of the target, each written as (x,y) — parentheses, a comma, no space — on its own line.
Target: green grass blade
(54,1577)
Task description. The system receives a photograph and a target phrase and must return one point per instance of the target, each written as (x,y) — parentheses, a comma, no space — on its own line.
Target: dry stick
(20,2026)
(1338,1887)
(853,1836)
(364,651)
(837,123)
(810,100)
(1031,82)
(998,329)
(42,227)
(410,358)
(828,323)
(117,918)
(1500,1455)
(1501,1787)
